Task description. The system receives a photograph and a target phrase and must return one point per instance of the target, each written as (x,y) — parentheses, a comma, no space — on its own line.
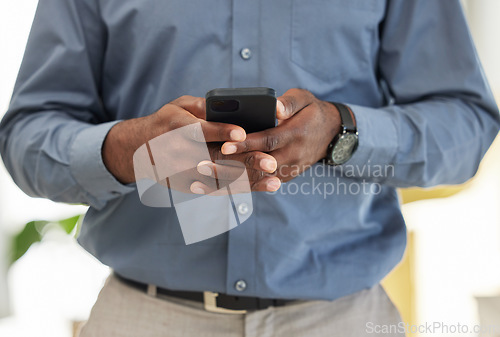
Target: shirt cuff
(88,168)
(377,144)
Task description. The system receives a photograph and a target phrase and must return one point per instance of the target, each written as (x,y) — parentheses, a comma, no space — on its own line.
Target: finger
(203,131)
(182,180)
(266,184)
(195,105)
(251,160)
(201,188)
(265,141)
(228,174)
(198,187)
(292,102)
(206,132)
(222,132)
(220,172)
(289,164)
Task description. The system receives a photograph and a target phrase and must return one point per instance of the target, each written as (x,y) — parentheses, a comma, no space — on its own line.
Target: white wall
(14,27)
(484,20)
(56,281)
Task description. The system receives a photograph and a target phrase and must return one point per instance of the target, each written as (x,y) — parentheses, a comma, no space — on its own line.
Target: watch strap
(346,116)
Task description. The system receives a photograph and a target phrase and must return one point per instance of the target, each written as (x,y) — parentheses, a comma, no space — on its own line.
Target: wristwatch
(345,143)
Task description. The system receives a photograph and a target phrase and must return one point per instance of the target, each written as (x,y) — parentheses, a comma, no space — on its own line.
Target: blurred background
(450,273)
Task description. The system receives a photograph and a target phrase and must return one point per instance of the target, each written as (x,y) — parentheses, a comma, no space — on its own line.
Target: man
(309,259)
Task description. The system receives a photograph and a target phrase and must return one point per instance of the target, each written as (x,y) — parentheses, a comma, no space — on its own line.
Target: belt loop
(151,290)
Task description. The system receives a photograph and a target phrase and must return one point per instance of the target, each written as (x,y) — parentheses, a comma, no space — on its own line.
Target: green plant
(34,231)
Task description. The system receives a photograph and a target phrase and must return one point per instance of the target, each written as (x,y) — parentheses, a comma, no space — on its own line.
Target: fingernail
(280,107)
(268,165)
(273,185)
(229,148)
(196,190)
(204,168)
(237,135)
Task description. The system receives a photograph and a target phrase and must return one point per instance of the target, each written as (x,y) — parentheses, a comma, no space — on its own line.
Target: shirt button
(240,285)
(246,53)
(243,208)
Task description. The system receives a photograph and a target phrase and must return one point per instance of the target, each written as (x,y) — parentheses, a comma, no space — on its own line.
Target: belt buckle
(210,301)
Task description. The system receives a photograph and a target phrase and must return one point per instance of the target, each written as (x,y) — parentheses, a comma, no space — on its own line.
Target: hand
(187,148)
(306,126)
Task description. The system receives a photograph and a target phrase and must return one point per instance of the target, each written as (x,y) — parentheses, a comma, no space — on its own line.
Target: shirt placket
(245,43)
(240,277)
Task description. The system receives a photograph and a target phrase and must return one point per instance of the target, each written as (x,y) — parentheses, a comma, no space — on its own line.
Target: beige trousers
(124,311)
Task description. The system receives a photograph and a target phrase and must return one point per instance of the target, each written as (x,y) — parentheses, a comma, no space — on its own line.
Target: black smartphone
(254,109)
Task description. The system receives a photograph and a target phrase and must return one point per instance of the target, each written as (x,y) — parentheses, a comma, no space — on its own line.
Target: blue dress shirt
(408,69)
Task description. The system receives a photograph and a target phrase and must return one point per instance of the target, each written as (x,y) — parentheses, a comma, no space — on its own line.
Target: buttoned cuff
(378,142)
(88,168)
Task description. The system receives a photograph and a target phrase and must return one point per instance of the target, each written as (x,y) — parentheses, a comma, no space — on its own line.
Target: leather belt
(213,302)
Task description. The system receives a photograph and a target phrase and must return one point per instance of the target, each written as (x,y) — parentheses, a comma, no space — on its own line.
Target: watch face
(344,147)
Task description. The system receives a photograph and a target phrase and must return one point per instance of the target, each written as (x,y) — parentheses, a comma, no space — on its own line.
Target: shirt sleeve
(52,135)
(442,117)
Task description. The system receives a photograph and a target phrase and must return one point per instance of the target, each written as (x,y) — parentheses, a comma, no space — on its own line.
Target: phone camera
(225,105)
